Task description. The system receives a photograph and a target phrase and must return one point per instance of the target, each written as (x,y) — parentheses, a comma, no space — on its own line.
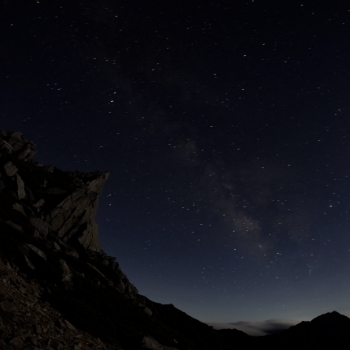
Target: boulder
(29,250)
(41,226)
(19,208)
(7,306)
(39,203)
(13,225)
(17,343)
(150,343)
(148,311)
(66,273)
(10,169)
(56,247)
(21,193)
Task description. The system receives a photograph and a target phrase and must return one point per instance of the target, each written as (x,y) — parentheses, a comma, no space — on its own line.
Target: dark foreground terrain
(59,290)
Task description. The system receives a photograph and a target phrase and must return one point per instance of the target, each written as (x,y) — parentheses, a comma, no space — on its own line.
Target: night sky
(226,131)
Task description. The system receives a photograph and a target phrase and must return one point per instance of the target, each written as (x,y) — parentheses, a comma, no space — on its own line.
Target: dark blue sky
(226,132)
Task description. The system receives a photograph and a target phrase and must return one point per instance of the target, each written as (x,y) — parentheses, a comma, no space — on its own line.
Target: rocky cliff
(48,228)
(54,207)
(51,201)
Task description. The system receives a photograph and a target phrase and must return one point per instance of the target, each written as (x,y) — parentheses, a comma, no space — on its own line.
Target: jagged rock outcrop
(64,203)
(15,143)
(56,207)
(73,218)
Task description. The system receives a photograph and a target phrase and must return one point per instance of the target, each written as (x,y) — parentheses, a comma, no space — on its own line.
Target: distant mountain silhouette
(328,331)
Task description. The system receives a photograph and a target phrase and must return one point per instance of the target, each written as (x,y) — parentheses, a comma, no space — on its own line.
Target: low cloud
(267,327)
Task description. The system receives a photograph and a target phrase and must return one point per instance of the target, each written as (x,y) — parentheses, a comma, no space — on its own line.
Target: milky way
(226,132)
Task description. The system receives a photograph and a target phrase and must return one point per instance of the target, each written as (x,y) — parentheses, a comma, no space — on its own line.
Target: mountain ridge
(60,290)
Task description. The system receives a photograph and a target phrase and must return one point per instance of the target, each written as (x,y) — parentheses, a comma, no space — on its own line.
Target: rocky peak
(14,142)
(62,203)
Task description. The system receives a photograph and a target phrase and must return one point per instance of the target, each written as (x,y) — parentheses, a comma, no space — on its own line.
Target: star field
(226,132)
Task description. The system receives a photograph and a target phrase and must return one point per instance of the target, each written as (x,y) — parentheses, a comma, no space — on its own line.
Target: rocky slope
(49,235)
(59,290)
